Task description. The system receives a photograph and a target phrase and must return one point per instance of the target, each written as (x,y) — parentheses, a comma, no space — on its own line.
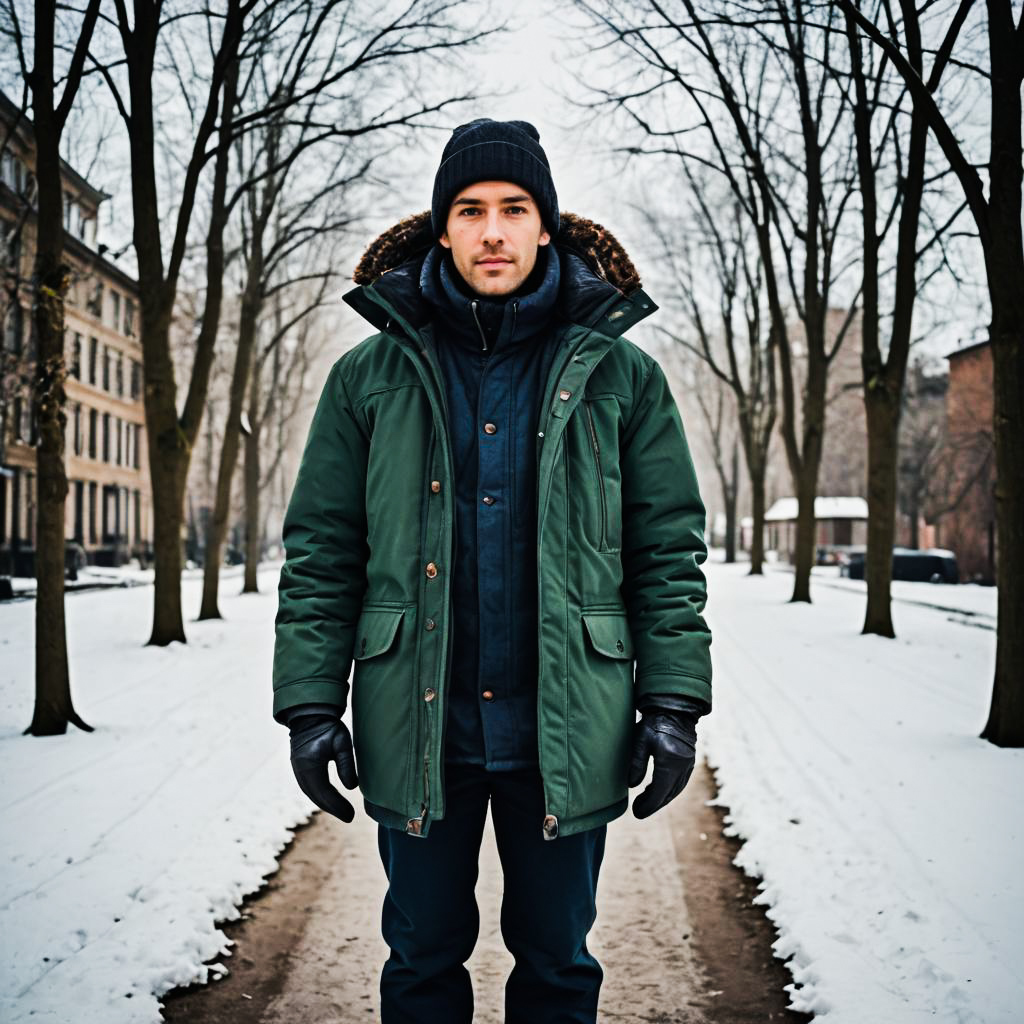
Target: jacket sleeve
(663,547)
(323,578)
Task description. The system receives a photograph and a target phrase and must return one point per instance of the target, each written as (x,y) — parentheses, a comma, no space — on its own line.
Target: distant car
(932,565)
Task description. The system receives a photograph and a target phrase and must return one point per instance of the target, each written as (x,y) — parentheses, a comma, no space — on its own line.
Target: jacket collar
(599,288)
(479,322)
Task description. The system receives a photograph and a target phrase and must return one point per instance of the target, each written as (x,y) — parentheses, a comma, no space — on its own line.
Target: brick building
(968,526)
(109,504)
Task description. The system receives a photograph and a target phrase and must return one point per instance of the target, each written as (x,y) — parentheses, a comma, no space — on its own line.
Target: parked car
(931,565)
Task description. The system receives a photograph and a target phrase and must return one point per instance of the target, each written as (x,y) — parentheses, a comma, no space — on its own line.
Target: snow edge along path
(875,819)
(126,847)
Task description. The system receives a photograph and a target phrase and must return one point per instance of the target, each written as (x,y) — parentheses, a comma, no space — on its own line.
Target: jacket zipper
(600,476)
(479,326)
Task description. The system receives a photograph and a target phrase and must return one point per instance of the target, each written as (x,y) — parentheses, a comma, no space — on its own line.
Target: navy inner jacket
(495,355)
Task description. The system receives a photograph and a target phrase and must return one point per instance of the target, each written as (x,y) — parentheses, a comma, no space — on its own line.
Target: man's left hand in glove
(669,735)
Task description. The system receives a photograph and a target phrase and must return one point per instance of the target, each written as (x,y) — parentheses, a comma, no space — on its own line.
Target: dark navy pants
(430,918)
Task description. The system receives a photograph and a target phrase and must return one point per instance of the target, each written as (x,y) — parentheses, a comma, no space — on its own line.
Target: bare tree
(339,42)
(277,390)
(998,220)
(716,265)
(747,95)
(923,467)
(293,159)
(884,367)
(53,706)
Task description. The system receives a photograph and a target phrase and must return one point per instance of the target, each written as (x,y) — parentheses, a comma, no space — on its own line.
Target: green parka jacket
(368,537)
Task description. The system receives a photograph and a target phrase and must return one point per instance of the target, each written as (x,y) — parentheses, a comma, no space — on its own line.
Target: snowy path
(888,835)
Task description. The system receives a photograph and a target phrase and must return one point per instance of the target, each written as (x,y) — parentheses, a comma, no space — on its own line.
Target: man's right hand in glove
(316,740)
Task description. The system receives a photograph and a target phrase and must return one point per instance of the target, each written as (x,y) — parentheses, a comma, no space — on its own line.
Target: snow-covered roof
(785,509)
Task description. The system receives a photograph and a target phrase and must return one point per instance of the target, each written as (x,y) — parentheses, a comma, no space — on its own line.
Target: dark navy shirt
(495,357)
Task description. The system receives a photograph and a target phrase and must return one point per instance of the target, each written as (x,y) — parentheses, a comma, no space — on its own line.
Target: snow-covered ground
(122,848)
(887,834)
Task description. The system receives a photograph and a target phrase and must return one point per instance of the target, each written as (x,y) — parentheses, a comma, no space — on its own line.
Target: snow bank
(887,835)
(124,847)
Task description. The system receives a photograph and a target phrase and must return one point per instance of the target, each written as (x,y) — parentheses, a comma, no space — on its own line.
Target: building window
(93,419)
(106,437)
(129,317)
(136,379)
(13,172)
(24,420)
(79,511)
(106,367)
(13,336)
(135,447)
(92,512)
(76,356)
(30,507)
(115,301)
(94,304)
(118,433)
(78,429)
(94,348)
(138,516)
(119,375)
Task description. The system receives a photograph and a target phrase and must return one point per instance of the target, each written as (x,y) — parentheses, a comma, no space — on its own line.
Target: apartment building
(109,503)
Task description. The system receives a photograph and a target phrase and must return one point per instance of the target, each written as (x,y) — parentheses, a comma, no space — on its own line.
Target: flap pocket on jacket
(609,633)
(376,631)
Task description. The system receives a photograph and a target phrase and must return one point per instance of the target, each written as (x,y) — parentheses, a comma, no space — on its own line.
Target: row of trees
(252,129)
(815,156)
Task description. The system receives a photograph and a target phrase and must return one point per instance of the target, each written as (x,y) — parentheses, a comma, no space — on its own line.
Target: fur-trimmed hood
(414,236)
(596,271)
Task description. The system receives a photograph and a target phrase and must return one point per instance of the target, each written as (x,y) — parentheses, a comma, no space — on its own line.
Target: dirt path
(676,932)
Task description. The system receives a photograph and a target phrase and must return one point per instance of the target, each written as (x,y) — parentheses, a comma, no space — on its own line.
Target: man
(495,515)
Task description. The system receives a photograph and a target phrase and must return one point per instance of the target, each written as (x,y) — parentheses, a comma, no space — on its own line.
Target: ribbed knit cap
(488,150)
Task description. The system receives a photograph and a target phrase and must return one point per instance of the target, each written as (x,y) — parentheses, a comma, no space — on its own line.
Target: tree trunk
(217,525)
(1005,267)
(253,528)
(53,707)
(756,474)
(805,473)
(883,419)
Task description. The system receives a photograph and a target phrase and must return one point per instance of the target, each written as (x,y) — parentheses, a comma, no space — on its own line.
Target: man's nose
(492,233)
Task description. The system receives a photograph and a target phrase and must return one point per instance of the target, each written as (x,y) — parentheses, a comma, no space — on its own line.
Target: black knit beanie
(488,150)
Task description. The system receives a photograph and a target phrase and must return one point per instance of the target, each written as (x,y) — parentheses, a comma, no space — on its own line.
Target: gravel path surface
(676,933)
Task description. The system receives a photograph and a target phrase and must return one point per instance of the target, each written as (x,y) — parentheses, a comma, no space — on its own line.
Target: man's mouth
(493,261)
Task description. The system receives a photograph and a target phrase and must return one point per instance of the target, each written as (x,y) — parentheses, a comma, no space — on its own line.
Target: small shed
(841,524)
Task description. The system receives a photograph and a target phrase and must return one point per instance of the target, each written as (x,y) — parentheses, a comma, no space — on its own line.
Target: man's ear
(444,240)
(544,238)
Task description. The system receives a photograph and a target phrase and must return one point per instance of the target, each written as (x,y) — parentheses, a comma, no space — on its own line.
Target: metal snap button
(435,485)
(429,694)
(564,395)
(487,695)
(429,624)
(488,500)
(490,428)
(431,570)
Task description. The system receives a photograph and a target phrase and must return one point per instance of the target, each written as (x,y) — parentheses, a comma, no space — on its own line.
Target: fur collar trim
(413,236)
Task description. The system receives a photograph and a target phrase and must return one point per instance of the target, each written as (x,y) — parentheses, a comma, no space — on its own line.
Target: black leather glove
(316,740)
(671,738)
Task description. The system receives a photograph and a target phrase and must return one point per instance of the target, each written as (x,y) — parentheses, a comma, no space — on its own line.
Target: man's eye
(467,209)
(517,209)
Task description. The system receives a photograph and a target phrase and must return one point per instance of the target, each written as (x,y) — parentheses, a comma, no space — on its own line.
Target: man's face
(494,230)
